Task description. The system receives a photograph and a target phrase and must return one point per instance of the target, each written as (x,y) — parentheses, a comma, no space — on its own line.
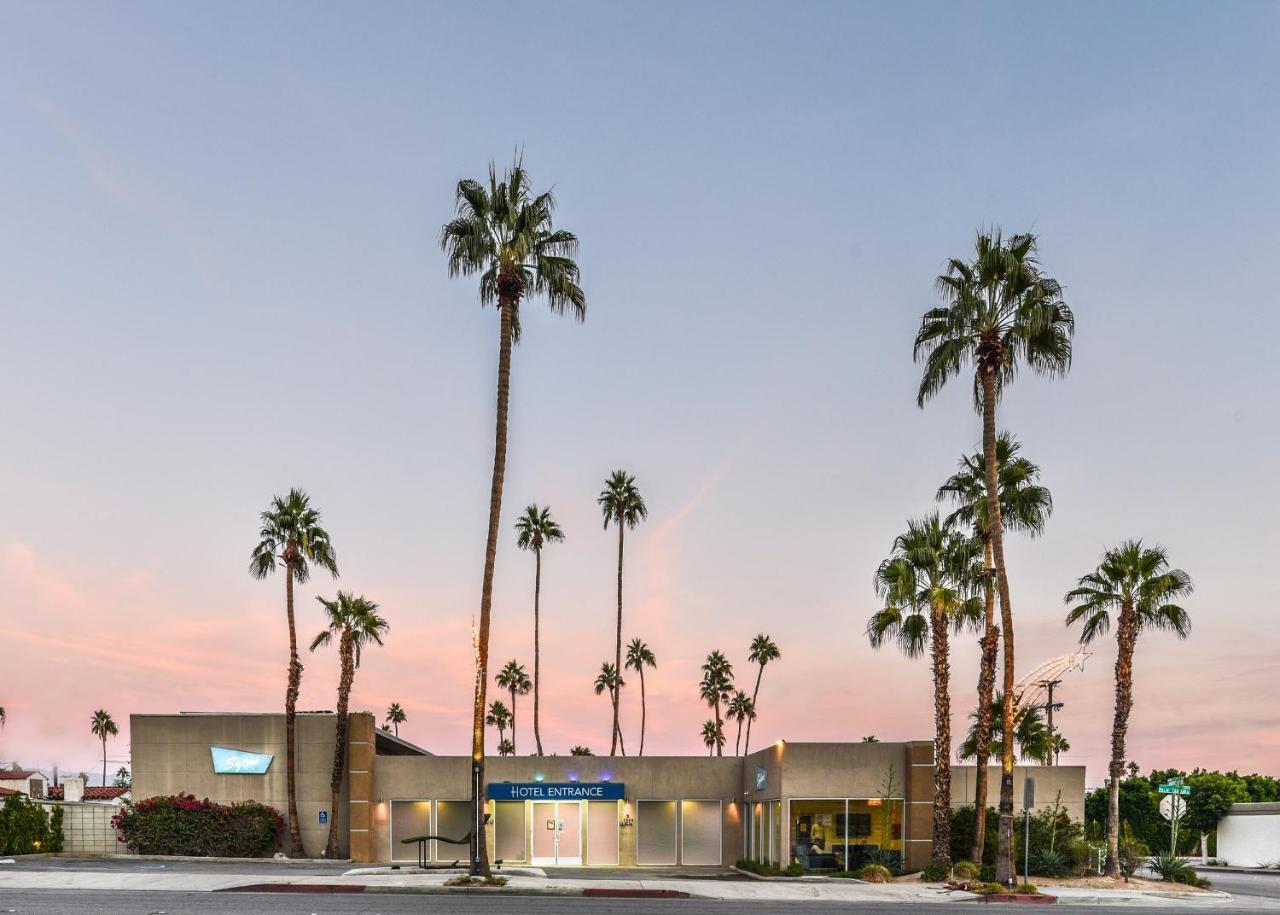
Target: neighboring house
(73,789)
(31,782)
(1249,835)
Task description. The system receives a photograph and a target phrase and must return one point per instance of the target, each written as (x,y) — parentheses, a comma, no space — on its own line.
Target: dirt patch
(1108,883)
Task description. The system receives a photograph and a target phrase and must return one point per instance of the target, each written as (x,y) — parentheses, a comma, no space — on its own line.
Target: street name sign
(1183,790)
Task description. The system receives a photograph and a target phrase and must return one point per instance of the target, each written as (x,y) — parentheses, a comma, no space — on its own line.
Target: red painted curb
(636,894)
(294,888)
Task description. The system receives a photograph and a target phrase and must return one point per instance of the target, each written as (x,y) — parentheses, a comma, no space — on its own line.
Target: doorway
(557,833)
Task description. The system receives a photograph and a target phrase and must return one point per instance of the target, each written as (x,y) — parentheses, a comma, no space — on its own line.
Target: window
(700,832)
(655,832)
(844,833)
(453,819)
(509,831)
(602,832)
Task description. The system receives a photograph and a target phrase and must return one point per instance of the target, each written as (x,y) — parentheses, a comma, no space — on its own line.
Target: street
(63,902)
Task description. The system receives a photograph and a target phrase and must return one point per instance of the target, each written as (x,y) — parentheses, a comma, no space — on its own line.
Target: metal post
(1026,854)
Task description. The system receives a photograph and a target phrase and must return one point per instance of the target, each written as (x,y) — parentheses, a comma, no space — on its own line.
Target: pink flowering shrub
(182,825)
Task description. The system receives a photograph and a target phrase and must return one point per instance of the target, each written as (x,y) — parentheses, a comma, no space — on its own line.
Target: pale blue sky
(219,278)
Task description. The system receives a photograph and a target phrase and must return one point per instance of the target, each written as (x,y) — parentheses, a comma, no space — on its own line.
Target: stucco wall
(1249,836)
(87,829)
(1049,781)
(170,755)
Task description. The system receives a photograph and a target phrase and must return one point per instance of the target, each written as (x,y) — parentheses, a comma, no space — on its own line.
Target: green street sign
(1184,790)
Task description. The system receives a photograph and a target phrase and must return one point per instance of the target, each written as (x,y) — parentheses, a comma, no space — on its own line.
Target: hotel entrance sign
(556,791)
(239,762)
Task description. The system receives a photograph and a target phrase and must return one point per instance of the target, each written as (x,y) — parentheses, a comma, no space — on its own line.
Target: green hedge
(29,828)
(182,825)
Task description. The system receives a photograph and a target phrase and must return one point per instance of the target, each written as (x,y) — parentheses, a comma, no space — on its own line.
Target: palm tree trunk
(737,740)
(754,693)
(986,686)
(537,592)
(995,519)
(345,679)
(291,717)
(1126,637)
(513,722)
(104,760)
(719,729)
(644,712)
(941,651)
(617,664)
(479,842)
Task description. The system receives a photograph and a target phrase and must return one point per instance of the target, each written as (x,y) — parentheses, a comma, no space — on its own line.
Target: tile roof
(91,792)
(8,792)
(17,774)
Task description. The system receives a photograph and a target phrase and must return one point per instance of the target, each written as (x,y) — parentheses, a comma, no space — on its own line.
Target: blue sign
(239,762)
(762,778)
(556,791)
(324,817)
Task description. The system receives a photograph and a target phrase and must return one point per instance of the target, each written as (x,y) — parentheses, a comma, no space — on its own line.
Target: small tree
(1212,794)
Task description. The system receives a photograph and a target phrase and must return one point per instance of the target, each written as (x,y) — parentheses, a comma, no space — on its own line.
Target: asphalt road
(1257,886)
(61,902)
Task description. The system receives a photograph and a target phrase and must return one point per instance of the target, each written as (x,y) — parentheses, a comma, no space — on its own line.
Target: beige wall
(1049,781)
(87,829)
(170,755)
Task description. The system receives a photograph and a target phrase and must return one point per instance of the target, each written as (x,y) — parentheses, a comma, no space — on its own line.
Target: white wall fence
(87,829)
(1249,836)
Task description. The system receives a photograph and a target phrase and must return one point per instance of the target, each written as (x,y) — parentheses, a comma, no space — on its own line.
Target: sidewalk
(531,881)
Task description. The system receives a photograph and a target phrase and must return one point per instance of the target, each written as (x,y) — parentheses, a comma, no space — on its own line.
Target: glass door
(557,833)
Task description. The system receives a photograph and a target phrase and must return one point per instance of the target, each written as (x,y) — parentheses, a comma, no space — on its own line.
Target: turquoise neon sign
(239,762)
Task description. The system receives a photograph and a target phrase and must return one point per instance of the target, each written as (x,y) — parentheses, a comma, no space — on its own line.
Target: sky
(220,278)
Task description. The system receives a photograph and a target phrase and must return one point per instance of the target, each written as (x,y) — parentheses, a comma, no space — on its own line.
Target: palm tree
(871,738)
(514,680)
(504,233)
(1025,506)
(356,622)
(763,650)
(716,688)
(608,679)
(4,718)
(1001,312)
(713,737)
(396,717)
(740,709)
(620,502)
(928,584)
(1031,736)
(1135,581)
(499,716)
(102,726)
(580,750)
(291,536)
(534,530)
(506,748)
(640,655)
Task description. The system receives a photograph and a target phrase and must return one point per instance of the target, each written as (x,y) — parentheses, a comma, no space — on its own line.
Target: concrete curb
(1215,869)
(280,861)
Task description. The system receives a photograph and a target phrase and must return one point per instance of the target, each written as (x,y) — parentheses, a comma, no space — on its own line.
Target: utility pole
(1049,708)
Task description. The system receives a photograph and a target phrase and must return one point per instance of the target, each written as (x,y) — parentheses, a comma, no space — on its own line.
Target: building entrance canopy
(556,791)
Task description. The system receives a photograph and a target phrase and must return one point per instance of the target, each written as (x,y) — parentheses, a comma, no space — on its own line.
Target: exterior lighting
(538,777)
(573,776)
(605,776)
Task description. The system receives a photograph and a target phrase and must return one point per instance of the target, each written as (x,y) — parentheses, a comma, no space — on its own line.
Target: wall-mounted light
(573,776)
(605,776)
(537,776)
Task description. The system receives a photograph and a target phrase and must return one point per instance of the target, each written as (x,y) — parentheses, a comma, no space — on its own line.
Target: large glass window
(408,818)
(509,826)
(655,832)
(844,834)
(700,831)
(453,820)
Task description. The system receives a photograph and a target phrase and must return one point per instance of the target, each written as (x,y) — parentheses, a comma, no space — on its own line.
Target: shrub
(794,869)
(182,825)
(965,870)
(875,873)
(26,827)
(935,873)
(1173,869)
(1133,854)
(986,889)
(888,858)
(1026,888)
(1082,856)
(468,880)
(1050,863)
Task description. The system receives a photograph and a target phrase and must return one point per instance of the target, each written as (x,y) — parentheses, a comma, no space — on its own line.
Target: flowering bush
(182,825)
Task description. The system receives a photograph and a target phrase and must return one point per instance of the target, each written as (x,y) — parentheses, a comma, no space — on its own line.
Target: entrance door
(557,833)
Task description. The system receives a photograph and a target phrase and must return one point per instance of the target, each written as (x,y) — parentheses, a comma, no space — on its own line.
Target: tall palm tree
(102,726)
(356,622)
(4,718)
(291,536)
(1025,506)
(534,530)
(763,651)
(620,502)
(639,656)
(1135,582)
(396,717)
(608,679)
(740,710)
(1031,736)
(1001,312)
(716,688)
(514,680)
(506,748)
(712,737)
(504,233)
(499,716)
(928,586)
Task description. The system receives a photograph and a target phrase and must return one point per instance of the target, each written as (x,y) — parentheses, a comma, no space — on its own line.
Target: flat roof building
(826,806)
